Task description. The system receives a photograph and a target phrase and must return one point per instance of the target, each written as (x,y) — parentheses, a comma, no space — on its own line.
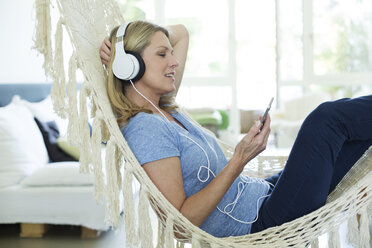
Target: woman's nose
(174,62)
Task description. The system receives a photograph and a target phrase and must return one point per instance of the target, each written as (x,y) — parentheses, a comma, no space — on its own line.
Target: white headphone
(127,65)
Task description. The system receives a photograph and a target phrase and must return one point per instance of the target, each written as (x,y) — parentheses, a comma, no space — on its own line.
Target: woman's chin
(171,92)
(172,89)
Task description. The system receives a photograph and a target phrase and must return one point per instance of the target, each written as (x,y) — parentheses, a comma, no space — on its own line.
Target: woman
(189,167)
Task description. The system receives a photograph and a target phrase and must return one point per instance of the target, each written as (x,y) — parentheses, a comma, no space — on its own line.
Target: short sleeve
(150,138)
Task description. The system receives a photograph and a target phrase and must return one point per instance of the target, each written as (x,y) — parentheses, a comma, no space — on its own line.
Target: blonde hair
(137,38)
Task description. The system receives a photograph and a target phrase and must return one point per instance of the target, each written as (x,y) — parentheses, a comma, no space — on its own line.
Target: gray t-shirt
(151,138)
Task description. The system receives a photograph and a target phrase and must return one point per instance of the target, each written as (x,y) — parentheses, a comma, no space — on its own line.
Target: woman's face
(160,64)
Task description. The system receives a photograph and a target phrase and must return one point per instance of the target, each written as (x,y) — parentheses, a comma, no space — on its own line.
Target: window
(342,36)
(208,50)
(325,46)
(232,49)
(290,45)
(255,53)
(244,52)
(210,72)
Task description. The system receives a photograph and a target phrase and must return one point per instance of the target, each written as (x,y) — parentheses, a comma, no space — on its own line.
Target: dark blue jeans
(331,139)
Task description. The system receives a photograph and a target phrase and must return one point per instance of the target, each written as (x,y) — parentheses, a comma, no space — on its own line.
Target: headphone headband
(121,30)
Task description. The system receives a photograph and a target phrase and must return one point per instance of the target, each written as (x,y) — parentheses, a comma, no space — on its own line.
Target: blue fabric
(151,138)
(332,138)
(30,92)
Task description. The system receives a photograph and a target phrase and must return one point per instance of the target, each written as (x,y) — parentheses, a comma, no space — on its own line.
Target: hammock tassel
(73,118)
(105,132)
(214,245)
(129,217)
(180,244)
(364,229)
(93,109)
(99,185)
(85,150)
(195,241)
(334,239)
(119,166)
(169,233)
(353,230)
(315,243)
(144,226)
(42,39)
(58,91)
(160,235)
(113,201)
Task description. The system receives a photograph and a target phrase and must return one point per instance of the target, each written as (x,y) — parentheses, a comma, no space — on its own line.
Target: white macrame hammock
(87,22)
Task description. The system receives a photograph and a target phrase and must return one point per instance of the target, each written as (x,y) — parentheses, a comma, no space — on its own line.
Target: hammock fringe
(113,200)
(315,243)
(42,36)
(144,225)
(105,132)
(213,245)
(161,235)
(99,185)
(169,232)
(129,216)
(353,231)
(119,166)
(180,245)
(364,229)
(195,241)
(58,91)
(85,151)
(73,117)
(334,239)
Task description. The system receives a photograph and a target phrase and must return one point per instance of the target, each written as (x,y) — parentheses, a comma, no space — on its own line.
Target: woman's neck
(139,100)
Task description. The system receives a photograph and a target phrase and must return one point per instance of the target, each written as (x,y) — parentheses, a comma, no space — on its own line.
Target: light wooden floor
(59,237)
(70,236)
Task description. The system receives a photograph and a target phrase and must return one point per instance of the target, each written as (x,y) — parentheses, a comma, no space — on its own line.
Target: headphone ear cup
(123,66)
(141,63)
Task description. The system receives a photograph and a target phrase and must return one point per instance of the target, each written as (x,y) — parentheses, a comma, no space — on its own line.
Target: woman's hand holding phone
(254,142)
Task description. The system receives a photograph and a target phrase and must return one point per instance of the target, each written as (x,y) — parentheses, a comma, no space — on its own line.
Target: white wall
(19,62)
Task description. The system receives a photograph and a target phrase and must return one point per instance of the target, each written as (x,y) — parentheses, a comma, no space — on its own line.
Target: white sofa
(32,190)
(286,121)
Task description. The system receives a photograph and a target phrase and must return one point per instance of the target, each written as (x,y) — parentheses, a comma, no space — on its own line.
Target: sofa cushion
(22,148)
(73,151)
(44,112)
(58,174)
(50,133)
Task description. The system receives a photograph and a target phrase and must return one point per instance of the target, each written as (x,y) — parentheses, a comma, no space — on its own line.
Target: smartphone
(267,111)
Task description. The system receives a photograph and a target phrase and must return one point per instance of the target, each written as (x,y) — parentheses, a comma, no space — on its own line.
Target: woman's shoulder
(142,116)
(144,121)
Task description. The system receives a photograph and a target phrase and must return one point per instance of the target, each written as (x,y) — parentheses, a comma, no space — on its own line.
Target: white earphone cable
(241,185)
(148,100)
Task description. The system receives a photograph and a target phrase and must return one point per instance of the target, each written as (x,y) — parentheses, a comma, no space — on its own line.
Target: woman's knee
(326,111)
(323,116)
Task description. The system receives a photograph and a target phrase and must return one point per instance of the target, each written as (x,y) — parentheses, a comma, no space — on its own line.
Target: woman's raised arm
(105,51)
(179,39)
